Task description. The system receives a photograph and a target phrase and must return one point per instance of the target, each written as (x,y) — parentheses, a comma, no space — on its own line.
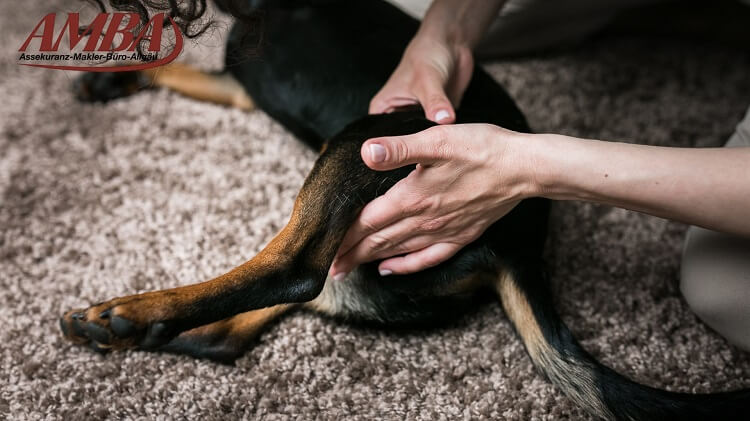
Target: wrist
(459,23)
(567,168)
(516,157)
(541,161)
(434,41)
(448,34)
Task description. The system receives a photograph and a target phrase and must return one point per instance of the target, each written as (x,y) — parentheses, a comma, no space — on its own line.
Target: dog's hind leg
(226,340)
(292,268)
(219,88)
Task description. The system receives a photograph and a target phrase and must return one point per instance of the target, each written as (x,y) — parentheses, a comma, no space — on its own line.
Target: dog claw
(99,348)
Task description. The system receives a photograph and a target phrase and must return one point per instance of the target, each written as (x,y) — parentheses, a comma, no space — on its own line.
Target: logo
(110,37)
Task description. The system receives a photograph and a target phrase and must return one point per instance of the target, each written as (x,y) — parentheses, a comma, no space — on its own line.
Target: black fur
(322,62)
(321,65)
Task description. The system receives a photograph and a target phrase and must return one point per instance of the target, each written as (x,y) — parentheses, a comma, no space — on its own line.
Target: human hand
(432,73)
(467,177)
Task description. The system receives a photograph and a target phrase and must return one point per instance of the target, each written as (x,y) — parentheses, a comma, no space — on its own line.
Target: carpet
(157,190)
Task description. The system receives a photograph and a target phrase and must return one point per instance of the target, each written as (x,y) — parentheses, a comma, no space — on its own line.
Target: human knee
(714,271)
(717,306)
(715,281)
(706,302)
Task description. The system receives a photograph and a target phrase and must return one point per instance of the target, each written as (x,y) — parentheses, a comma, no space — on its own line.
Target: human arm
(708,187)
(436,66)
(469,176)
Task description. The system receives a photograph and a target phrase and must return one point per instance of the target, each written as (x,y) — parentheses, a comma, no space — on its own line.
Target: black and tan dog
(322,63)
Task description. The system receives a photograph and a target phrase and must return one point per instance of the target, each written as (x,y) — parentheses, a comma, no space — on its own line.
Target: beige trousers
(524,26)
(715,276)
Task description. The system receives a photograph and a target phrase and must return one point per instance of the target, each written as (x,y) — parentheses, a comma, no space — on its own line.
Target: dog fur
(322,62)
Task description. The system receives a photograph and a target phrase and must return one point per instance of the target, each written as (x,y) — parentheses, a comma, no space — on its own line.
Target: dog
(323,63)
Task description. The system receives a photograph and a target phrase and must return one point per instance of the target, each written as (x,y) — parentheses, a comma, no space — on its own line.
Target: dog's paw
(106,86)
(139,321)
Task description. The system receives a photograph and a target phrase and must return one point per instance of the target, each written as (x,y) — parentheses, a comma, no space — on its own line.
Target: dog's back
(320,63)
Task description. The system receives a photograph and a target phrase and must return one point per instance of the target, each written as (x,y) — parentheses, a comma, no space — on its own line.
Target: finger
(418,260)
(461,77)
(366,252)
(378,103)
(388,103)
(431,94)
(376,215)
(395,93)
(402,237)
(426,147)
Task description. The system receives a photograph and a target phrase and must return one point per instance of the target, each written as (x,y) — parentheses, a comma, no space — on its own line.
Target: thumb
(386,153)
(431,95)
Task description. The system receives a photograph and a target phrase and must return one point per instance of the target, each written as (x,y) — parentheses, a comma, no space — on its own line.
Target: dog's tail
(598,389)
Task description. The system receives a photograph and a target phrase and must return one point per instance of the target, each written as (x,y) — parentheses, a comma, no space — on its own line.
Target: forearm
(706,187)
(459,22)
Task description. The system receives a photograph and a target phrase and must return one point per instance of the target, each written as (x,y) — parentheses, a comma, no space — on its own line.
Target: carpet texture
(158,190)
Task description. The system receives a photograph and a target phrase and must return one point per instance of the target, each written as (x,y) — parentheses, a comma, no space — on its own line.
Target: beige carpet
(158,190)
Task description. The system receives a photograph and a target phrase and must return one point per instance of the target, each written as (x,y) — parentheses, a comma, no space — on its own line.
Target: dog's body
(316,76)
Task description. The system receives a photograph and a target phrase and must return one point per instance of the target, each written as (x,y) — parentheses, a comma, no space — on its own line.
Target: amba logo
(99,46)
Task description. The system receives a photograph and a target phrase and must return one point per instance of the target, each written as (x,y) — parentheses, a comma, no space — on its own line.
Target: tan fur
(173,304)
(576,379)
(341,298)
(240,328)
(220,89)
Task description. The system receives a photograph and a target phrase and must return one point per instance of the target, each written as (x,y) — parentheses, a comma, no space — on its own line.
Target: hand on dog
(431,73)
(467,177)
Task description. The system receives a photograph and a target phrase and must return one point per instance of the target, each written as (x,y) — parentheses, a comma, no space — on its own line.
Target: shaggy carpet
(157,190)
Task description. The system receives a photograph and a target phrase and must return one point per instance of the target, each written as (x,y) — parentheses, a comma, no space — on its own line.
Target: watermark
(110,37)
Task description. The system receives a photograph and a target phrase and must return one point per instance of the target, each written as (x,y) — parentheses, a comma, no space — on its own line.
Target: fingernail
(377,153)
(385,272)
(441,115)
(339,276)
